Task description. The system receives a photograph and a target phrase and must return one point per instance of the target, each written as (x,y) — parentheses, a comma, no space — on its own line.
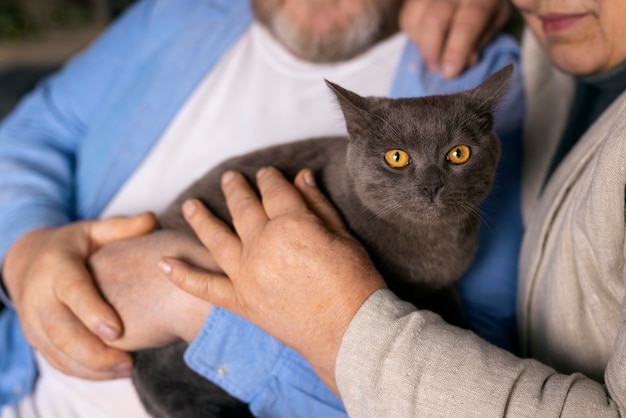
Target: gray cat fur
(419,223)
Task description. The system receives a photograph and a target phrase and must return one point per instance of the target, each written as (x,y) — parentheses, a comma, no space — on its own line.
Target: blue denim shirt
(69,146)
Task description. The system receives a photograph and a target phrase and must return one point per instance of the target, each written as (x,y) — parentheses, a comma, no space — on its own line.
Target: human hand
(451,33)
(61,311)
(154,311)
(294,269)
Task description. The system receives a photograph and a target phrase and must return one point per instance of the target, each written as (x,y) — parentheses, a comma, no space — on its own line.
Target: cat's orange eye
(459,154)
(397,158)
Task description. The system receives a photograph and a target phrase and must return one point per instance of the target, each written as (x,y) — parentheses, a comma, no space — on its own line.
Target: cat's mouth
(434,212)
(425,212)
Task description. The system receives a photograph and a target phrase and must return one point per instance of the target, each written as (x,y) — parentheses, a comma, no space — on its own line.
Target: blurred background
(37,36)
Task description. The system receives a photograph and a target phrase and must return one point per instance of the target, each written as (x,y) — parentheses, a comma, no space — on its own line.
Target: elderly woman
(384,357)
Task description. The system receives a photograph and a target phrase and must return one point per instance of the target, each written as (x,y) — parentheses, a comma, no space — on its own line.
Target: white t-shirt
(258,95)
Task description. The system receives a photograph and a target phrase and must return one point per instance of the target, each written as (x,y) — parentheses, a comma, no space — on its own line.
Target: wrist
(189,316)
(154,311)
(323,355)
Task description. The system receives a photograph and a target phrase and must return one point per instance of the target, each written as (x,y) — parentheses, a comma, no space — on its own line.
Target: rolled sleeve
(256,368)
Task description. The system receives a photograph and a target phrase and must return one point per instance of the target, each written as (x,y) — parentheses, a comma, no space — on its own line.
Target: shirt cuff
(256,368)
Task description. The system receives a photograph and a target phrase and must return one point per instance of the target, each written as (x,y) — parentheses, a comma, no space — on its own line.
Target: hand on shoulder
(451,33)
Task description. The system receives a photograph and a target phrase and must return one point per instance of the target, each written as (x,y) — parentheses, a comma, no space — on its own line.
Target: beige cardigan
(398,362)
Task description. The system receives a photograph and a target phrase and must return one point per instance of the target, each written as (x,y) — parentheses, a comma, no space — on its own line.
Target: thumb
(104,231)
(214,288)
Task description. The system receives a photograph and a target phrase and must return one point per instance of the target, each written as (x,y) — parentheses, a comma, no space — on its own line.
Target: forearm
(419,365)
(154,311)
(35,191)
(41,139)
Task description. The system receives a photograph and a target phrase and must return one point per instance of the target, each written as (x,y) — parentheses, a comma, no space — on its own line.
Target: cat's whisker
(381,214)
(478,212)
(413,220)
(389,212)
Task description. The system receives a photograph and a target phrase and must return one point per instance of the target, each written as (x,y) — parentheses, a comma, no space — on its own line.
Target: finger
(243,204)
(212,287)
(76,290)
(317,201)
(467,26)
(410,18)
(473,26)
(279,196)
(105,231)
(427,24)
(215,235)
(73,349)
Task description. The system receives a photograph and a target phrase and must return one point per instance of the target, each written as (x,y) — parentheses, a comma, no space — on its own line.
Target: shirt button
(221,371)
(17,389)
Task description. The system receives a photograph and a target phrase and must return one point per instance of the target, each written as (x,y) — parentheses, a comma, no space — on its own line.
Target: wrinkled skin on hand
(293,269)
(153,310)
(57,278)
(61,311)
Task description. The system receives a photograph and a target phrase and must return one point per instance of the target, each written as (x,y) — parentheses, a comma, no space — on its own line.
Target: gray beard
(340,44)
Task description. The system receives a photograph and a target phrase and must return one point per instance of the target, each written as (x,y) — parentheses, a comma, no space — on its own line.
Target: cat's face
(430,159)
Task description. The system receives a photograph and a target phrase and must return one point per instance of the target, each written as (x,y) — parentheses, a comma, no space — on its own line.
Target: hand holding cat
(294,269)
(62,312)
(451,33)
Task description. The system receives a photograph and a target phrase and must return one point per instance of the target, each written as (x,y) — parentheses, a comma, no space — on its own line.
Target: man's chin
(324,40)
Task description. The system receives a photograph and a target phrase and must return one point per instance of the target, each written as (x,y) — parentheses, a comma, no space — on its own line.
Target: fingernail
(227,177)
(165,267)
(107,332)
(189,208)
(261,172)
(448,71)
(309,178)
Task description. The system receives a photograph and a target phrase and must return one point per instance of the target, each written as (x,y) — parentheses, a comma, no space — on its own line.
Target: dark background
(37,36)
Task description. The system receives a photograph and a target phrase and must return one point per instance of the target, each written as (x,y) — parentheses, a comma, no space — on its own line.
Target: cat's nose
(431,182)
(431,190)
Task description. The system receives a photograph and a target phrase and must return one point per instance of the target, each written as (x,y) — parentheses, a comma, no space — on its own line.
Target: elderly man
(168,91)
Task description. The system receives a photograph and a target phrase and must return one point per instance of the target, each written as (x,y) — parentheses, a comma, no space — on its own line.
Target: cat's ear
(491,92)
(355,108)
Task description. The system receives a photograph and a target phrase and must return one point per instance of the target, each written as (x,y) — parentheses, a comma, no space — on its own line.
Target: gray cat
(408,181)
